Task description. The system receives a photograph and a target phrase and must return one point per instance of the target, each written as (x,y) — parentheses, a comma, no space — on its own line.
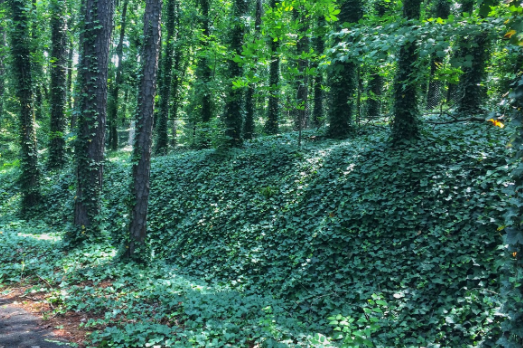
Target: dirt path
(20,329)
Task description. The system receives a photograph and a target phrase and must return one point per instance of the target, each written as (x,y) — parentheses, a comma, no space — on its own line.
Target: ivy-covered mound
(321,229)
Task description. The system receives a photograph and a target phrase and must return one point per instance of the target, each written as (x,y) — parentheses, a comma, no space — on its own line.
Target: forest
(262,173)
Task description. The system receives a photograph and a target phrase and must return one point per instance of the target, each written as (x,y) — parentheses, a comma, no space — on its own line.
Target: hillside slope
(325,227)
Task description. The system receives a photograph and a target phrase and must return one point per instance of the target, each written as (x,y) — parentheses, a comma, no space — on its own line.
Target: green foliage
(311,233)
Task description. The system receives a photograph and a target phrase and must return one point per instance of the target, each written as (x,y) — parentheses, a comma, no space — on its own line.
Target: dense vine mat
(335,244)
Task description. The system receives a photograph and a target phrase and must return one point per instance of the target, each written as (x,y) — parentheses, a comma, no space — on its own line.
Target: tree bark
(58,84)
(20,48)
(167,73)
(248,125)
(302,92)
(406,123)
(203,70)
(234,106)
(273,113)
(343,80)
(115,91)
(144,129)
(94,52)
(319,47)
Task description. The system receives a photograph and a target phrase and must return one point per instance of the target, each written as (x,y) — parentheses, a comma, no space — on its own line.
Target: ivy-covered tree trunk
(470,92)
(319,47)
(37,62)
(434,93)
(203,71)
(115,90)
(175,89)
(167,73)
(250,102)
(273,112)
(70,57)
(234,106)
(20,48)
(2,73)
(89,150)
(343,79)
(406,123)
(144,128)
(302,93)
(58,97)
(376,80)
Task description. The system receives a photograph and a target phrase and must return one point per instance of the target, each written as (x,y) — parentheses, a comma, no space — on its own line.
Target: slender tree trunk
(434,93)
(94,51)
(203,70)
(144,129)
(234,106)
(248,125)
(113,101)
(343,80)
(70,75)
(20,47)
(58,84)
(470,92)
(2,73)
(167,73)
(319,47)
(406,123)
(302,93)
(36,63)
(273,115)
(175,99)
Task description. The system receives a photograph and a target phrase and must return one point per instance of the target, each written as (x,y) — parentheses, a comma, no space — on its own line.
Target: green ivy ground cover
(271,242)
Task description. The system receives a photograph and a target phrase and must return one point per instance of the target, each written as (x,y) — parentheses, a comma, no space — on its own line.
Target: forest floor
(277,246)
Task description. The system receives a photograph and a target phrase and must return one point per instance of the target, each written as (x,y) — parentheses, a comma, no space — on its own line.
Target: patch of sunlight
(45,236)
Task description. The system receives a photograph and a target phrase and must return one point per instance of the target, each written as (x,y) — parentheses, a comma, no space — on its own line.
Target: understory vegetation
(337,243)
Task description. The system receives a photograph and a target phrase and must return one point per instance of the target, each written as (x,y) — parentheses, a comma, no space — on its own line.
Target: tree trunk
(94,52)
(58,84)
(302,93)
(113,102)
(248,125)
(343,79)
(2,73)
(20,47)
(406,123)
(319,47)
(167,71)
(203,70)
(434,93)
(273,115)
(234,107)
(144,129)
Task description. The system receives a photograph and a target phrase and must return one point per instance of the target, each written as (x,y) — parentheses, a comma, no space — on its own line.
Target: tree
(471,93)
(319,47)
(58,97)
(20,49)
(302,93)
(434,93)
(167,73)
(248,125)
(89,150)
(2,72)
(203,71)
(343,78)
(406,123)
(376,80)
(115,90)
(234,106)
(273,112)
(144,128)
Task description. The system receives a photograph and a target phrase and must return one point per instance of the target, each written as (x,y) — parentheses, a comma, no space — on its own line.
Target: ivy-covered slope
(325,227)
(331,224)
